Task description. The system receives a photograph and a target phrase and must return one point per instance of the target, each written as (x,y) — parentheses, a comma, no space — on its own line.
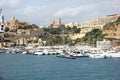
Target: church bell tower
(59,21)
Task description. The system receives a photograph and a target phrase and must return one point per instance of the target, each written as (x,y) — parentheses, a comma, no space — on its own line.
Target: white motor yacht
(24,52)
(38,52)
(96,54)
(49,52)
(113,54)
(79,54)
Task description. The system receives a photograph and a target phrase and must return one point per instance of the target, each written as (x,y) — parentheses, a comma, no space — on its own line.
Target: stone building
(71,25)
(112,18)
(14,24)
(23,31)
(100,22)
(56,25)
(28,36)
(104,44)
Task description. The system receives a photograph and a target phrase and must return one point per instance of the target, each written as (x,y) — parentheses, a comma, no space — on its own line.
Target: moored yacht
(49,51)
(79,54)
(38,52)
(96,54)
(24,52)
(112,54)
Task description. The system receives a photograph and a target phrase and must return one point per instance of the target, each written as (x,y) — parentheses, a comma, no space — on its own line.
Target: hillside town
(20,33)
(103,31)
(59,40)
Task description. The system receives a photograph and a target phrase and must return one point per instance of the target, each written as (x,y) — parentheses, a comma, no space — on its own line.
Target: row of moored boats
(65,53)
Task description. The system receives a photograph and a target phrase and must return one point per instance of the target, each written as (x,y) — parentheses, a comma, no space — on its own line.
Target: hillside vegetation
(110,24)
(91,37)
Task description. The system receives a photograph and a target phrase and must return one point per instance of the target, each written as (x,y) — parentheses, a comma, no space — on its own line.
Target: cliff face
(112,29)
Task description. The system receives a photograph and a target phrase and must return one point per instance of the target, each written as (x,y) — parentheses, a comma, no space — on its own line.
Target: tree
(93,36)
(34,26)
(6,35)
(6,29)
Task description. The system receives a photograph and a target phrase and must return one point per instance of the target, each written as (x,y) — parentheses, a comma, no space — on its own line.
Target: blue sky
(42,12)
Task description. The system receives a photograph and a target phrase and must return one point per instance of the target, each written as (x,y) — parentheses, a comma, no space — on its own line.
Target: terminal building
(104,45)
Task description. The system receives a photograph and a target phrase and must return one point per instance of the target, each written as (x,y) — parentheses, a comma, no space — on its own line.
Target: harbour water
(50,67)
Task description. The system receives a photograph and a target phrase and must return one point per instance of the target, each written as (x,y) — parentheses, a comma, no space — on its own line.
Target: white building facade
(104,44)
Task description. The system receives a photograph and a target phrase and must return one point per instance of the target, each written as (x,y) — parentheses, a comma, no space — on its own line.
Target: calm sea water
(28,67)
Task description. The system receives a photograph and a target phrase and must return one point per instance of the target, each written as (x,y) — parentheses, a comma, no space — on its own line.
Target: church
(14,24)
(56,25)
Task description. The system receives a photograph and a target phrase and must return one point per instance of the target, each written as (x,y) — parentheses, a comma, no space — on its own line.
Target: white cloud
(68,12)
(42,11)
(10,3)
(14,3)
(91,10)
(34,14)
(2,2)
(72,12)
